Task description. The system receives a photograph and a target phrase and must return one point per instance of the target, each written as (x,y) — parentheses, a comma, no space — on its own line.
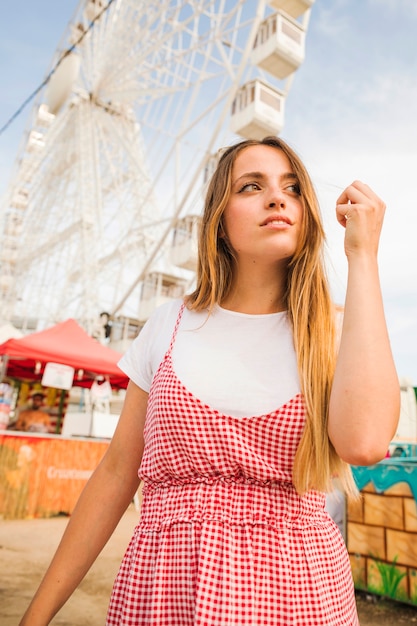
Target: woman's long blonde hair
(309,307)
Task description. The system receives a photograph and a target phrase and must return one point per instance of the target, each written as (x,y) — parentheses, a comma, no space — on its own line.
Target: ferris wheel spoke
(116,152)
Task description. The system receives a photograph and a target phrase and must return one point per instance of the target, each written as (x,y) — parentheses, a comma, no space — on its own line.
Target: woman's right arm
(102,503)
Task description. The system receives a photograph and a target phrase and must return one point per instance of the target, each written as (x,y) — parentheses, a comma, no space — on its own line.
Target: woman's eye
(295,188)
(249,187)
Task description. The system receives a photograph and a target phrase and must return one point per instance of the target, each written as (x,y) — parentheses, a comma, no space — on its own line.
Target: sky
(350,114)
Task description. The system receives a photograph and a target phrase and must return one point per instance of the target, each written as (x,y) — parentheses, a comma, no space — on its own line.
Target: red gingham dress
(224,539)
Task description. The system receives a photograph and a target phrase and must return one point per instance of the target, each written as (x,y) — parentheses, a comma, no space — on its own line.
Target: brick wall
(382,542)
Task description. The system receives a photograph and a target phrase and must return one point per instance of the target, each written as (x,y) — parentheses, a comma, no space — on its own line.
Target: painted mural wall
(382,527)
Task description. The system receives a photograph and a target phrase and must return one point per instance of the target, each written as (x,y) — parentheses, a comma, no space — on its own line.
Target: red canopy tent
(68,344)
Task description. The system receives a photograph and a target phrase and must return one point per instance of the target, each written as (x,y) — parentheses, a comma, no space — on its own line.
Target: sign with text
(58,376)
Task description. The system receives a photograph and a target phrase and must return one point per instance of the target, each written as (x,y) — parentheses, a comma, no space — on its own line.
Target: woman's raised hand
(361,212)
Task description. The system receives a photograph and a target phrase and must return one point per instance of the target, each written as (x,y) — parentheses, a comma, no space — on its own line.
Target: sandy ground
(26,547)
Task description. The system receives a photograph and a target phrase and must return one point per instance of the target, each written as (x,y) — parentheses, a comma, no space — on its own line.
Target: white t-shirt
(239,364)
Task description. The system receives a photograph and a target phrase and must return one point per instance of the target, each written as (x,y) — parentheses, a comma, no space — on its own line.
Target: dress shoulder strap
(177,323)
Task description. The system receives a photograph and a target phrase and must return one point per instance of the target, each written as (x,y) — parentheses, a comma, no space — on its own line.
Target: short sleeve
(142,358)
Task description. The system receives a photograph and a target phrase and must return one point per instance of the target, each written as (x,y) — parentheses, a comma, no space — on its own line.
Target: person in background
(32,416)
(36,402)
(242,408)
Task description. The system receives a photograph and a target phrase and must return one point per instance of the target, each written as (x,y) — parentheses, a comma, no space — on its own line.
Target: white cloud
(396,6)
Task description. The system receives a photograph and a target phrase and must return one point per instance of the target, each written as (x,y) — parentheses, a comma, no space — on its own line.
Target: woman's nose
(276,199)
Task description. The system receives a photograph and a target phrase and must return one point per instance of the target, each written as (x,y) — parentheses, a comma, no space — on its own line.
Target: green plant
(391,577)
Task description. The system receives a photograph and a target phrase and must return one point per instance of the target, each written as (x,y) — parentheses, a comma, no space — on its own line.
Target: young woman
(244,403)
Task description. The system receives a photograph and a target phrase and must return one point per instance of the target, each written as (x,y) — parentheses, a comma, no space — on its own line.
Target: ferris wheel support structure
(222,117)
(141,96)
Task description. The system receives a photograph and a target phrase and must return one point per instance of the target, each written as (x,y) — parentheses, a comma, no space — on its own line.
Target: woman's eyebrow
(289,176)
(260,175)
(253,175)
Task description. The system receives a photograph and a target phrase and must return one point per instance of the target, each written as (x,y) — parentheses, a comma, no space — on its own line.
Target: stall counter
(43,475)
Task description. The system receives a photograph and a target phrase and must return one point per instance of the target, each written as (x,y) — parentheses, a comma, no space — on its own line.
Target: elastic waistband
(230,501)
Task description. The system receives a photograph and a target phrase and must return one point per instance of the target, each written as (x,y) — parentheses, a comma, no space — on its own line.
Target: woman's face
(263,216)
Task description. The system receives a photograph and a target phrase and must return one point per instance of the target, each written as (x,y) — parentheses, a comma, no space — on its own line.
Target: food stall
(42,474)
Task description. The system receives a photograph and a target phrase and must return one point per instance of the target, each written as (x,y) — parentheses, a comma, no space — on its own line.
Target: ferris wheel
(139,98)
